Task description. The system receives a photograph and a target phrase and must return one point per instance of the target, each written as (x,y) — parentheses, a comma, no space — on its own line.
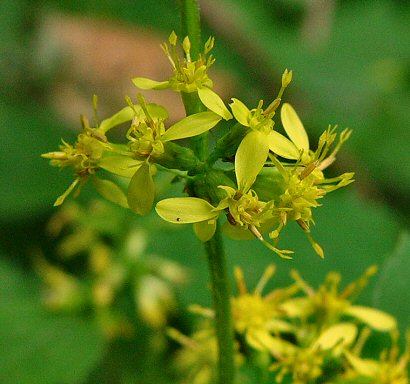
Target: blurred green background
(351,65)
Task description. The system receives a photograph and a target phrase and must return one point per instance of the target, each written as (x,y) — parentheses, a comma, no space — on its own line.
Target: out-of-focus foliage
(351,65)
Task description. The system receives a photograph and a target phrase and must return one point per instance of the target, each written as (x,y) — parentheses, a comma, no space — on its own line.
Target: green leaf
(126,114)
(192,125)
(42,348)
(213,102)
(250,158)
(185,210)
(110,191)
(393,285)
(143,83)
(141,190)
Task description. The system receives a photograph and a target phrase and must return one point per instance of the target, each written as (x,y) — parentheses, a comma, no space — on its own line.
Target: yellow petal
(378,320)
(126,114)
(141,190)
(294,127)
(213,102)
(205,230)
(110,191)
(120,165)
(297,307)
(250,158)
(143,83)
(342,334)
(240,111)
(185,210)
(282,146)
(192,125)
(262,340)
(365,367)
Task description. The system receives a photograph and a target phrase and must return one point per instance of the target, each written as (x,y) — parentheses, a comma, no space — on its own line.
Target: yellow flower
(189,75)
(86,156)
(390,369)
(147,141)
(328,305)
(258,318)
(297,148)
(247,216)
(304,182)
(261,138)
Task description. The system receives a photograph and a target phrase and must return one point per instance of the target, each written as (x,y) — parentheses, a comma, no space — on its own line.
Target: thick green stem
(221,293)
(220,283)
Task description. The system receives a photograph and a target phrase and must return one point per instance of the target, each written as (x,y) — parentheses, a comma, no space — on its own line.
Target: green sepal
(185,210)
(141,190)
(110,191)
(205,230)
(250,159)
(144,83)
(192,125)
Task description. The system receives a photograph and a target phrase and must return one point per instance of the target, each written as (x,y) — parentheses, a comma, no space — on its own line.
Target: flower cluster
(271,180)
(302,335)
(115,262)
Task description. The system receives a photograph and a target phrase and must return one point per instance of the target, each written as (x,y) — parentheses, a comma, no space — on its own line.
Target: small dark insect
(178,219)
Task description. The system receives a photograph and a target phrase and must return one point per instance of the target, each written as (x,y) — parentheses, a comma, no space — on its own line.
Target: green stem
(191,28)
(214,248)
(221,301)
(191,25)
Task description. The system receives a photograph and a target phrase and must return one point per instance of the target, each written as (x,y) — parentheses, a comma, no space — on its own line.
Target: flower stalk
(220,284)
(221,293)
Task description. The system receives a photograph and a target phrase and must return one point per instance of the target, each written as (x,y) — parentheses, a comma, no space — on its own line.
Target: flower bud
(178,157)
(286,78)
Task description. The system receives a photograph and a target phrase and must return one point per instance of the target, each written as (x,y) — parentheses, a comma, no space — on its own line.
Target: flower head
(85,157)
(329,305)
(189,75)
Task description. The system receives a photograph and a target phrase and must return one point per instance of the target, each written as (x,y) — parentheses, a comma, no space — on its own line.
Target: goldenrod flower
(86,156)
(391,368)
(261,138)
(328,305)
(247,216)
(189,76)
